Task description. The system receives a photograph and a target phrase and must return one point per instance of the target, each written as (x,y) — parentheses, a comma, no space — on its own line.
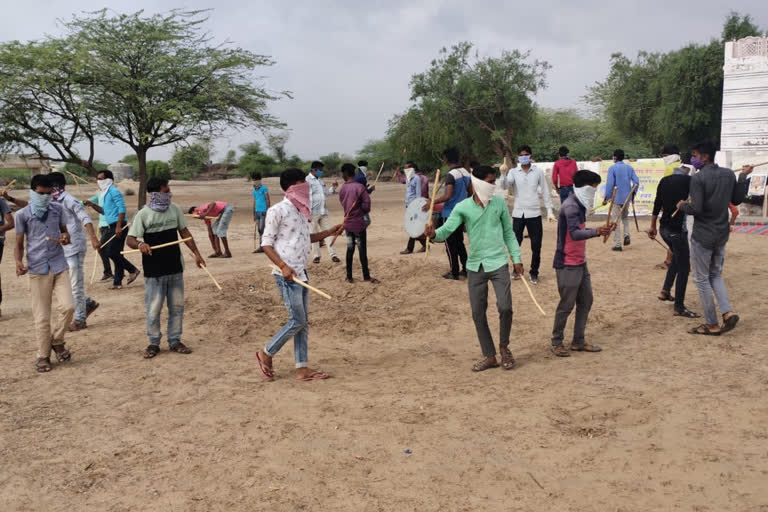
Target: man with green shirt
(486,219)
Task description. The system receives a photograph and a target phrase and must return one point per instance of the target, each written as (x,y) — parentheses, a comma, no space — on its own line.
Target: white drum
(415,218)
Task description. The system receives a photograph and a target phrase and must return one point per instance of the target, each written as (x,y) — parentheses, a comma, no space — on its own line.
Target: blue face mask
(319,173)
(524,159)
(39,203)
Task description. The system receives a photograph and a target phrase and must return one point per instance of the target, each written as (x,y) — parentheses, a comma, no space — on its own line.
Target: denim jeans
(296,299)
(678,271)
(361,241)
(162,289)
(707,273)
(565,192)
(76,264)
(261,218)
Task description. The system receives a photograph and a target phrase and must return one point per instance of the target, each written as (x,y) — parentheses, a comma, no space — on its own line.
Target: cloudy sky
(348,63)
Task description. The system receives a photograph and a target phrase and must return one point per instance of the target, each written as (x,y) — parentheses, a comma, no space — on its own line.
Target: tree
(131,160)
(158,80)
(738,27)
(42,101)
(158,169)
(332,161)
(253,160)
(229,160)
(276,142)
(193,158)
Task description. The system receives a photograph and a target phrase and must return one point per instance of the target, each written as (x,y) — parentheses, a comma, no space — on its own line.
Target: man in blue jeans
(287,243)
(261,203)
(160,222)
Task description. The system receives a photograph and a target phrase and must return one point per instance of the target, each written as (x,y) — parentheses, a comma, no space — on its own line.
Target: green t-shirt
(148,221)
(490,233)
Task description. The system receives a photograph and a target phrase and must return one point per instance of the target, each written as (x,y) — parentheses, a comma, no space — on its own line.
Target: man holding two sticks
(158,223)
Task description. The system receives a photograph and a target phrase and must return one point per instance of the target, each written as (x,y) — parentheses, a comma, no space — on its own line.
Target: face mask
(586,196)
(670,159)
(160,201)
(483,190)
(319,174)
(697,163)
(257,184)
(363,169)
(410,171)
(298,195)
(56,194)
(104,184)
(39,203)
(524,159)
(687,168)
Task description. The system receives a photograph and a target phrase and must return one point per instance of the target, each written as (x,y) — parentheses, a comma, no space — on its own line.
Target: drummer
(413,190)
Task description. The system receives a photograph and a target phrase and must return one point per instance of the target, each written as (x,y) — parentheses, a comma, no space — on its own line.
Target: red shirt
(564,168)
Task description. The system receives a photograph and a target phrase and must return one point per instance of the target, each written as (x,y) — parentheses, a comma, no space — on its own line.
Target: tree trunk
(141,153)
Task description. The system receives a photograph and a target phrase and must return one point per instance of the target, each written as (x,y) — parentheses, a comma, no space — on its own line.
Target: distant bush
(130,192)
(158,169)
(22,177)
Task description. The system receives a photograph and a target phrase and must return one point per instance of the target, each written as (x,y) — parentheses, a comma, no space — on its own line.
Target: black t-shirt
(671,190)
(165,261)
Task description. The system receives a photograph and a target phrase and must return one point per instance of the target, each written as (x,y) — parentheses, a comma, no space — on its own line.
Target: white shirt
(75,217)
(317,194)
(526,186)
(286,230)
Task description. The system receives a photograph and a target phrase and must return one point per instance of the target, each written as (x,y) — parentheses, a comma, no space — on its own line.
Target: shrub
(158,169)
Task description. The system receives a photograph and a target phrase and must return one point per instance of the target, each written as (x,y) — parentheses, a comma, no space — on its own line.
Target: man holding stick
(623,176)
(486,218)
(158,223)
(573,279)
(712,189)
(317,196)
(356,203)
(287,243)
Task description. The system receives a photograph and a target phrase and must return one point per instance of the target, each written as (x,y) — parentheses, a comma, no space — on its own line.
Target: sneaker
(617,248)
(107,277)
(90,308)
(626,240)
(336,259)
(450,277)
(316,260)
(534,279)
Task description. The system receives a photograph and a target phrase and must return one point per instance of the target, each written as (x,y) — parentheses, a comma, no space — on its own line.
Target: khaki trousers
(45,289)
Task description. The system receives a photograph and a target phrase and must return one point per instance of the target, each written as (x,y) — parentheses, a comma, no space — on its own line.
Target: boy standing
(217,233)
(287,243)
(357,204)
(261,203)
(623,176)
(486,218)
(562,174)
(41,223)
(160,222)
(317,194)
(112,205)
(573,278)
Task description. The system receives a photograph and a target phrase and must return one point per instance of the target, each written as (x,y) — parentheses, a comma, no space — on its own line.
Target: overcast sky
(348,63)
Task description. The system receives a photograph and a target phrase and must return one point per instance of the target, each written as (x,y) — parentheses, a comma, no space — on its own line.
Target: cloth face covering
(483,190)
(257,184)
(56,194)
(670,159)
(409,171)
(39,203)
(697,163)
(524,159)
(160,201)
(586,196)
(298,195)
(103,187)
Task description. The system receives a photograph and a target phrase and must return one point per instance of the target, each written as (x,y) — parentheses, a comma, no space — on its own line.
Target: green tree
(230,158)
(158,169)
(738,27)
(332,161)
(159,80)
(276,142)
(131,159)
(253,160)
(96,166)
(191,159)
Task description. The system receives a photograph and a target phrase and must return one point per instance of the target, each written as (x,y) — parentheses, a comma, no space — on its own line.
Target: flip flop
(730,323)
(560,351)
(132,277)
(266,370)
(686,313)
(586,347)
(315,375)
(703,330)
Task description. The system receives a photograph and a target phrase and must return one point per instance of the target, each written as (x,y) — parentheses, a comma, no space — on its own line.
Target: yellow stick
(379,174)
(305,285)
(610,210)
(198,217)
(8,186)
(530,292)
(212,278)
(76,177)
(333,240)
(431,209)
(95,265)
(177,242)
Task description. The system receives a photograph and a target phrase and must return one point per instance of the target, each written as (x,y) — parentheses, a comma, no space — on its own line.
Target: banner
(649,171)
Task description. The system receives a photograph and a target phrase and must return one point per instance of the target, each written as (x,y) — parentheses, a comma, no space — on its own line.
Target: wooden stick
(675,212)
(658,241)
(176,242)
(610,210)
(379,174)
(431,209)
(333,240)
(255,231)
(198,217)
(305,285)
(212,278)
(76,177)
(530,292)
(8,186)
(95,265)
(756,165)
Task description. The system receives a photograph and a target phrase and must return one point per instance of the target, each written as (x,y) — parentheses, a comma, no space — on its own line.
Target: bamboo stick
(76,177)
(176,242)
(212,278)
(610,210)
(431,209)
(305,285)
(95,265)
(199,217)
(8,186)
(333,240)
(379,174)
(530,292)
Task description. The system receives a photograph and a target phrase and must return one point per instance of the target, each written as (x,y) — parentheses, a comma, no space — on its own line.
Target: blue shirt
(260,198)
(75,217)
(113,205)
(460,179)
(623,176)
(102,220)
(43,256)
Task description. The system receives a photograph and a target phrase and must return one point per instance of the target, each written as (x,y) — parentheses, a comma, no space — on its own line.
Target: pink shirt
(218,207)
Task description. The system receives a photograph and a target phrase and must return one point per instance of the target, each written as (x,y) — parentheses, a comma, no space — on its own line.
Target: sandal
(560,351)
(507,359)
(704,331)
(685,312)
(729,323)
(350,280)
(214,255)
(132,277)
(665,295)
(151,351)
(313,375)
(485,364)
(180,348)
(586,347)
(662,266)
(43,365)
(265,369)
(63,355)
(372,280)
(115,287)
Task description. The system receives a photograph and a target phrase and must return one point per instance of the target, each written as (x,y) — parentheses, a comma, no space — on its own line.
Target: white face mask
(483,190)
(104,184)
(409,171)
(586,196)
(670,159)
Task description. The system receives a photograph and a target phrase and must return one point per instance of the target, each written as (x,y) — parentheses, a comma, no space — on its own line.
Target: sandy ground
(660,420)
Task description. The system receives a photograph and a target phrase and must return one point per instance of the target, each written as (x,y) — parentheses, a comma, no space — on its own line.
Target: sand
(660,420)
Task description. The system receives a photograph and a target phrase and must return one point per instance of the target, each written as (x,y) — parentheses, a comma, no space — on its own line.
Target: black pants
(412,243)
(361,240)
(113,250)
(678,271)
(457,253)
(535,233)
(104,232)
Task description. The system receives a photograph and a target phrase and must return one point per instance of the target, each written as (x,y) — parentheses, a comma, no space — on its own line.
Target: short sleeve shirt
(4,210)
(158,228)
(43,255)
(286,230)
(260,197)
